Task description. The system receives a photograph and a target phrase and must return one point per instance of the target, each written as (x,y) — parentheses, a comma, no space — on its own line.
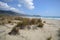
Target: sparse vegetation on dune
(9,21)
(33,21)
(2,23)
(59,34)
(20,25)
(14,31)
(40,25)
(49,38)
(44,21)
(18,18)
(26,22)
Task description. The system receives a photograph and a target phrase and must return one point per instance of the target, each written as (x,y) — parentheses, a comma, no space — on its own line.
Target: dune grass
(40,25)
(14,31)
(49,38)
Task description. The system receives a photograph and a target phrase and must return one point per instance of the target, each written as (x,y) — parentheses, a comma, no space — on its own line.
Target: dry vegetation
(26,22)
(49,38)
(59,34)
(14,31)
(20,25)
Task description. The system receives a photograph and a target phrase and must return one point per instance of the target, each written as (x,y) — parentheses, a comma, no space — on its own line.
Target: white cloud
(15,10)
(28,3)
(19,5)
(5,6)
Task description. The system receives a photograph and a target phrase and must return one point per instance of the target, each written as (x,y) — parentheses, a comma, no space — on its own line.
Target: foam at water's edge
(52,18)
(56,18)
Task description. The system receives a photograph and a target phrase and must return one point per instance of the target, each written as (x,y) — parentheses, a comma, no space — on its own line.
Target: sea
(47,17)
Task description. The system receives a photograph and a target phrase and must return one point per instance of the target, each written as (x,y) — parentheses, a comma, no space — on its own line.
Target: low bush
(44,21)
(33,21)
(20,25)
(40,25)
(14,31)
(59,32)
(9,21)
(49,38)
(26,21)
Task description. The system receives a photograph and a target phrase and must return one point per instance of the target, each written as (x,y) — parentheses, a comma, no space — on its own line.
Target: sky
(32,7)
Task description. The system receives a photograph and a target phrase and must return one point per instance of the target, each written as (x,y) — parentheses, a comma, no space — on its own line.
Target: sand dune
(50,29)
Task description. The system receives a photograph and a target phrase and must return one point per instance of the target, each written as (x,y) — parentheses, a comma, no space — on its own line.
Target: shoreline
(42,17)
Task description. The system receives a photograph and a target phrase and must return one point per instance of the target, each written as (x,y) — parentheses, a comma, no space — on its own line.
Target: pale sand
(49,30)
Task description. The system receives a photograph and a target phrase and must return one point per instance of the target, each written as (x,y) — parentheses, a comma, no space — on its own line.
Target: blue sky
(32,7)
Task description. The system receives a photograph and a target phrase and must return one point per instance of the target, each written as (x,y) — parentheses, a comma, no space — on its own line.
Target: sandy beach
(50,29)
